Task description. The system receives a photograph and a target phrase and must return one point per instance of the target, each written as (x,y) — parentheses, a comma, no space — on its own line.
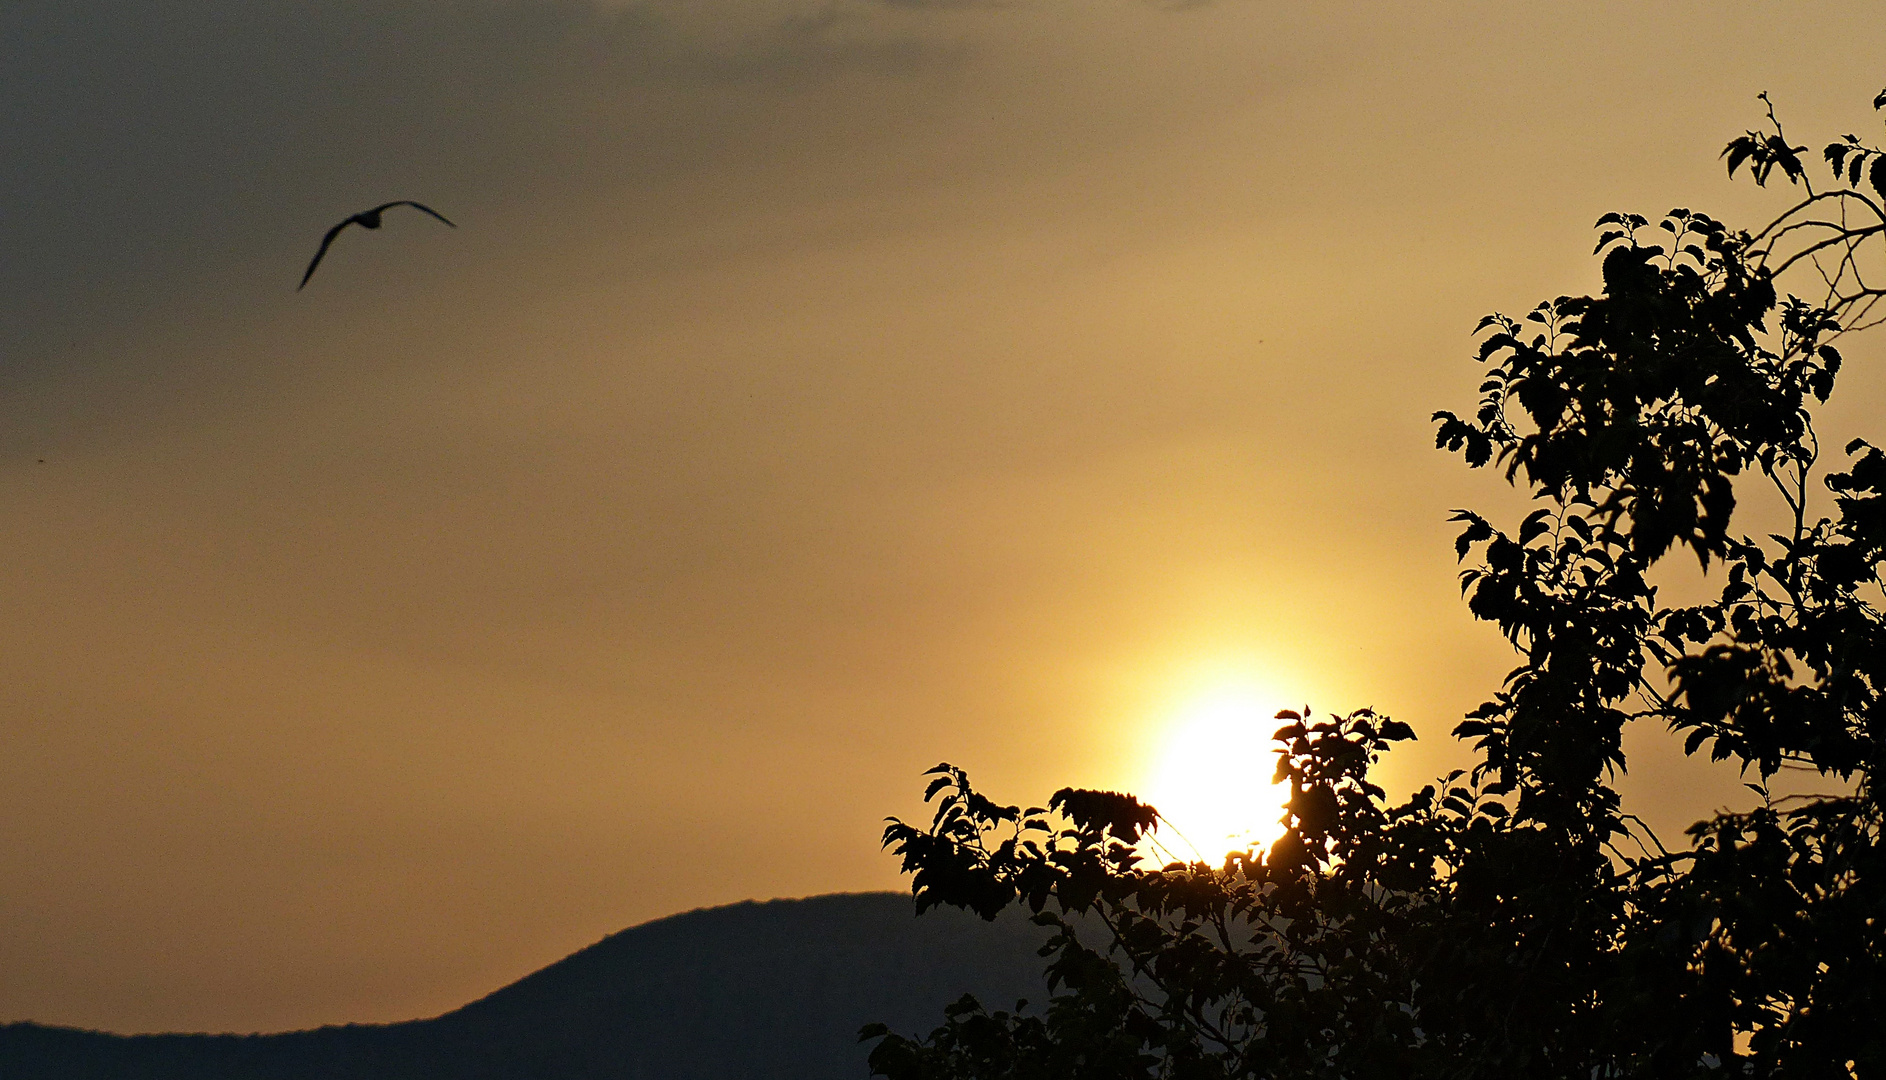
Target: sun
(1212,780)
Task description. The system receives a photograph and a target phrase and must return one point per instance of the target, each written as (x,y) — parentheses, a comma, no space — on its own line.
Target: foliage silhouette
(1513,919)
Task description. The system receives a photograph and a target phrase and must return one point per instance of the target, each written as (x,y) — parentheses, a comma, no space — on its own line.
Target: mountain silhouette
(753,990)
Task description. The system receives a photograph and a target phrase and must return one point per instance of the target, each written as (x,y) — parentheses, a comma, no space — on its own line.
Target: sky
(812,391)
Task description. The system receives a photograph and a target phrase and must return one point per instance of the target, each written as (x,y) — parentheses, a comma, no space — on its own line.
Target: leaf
(1497,342)
(1822,382)
(1787,157)
(1876,174)
(1537,522)
(1476,531)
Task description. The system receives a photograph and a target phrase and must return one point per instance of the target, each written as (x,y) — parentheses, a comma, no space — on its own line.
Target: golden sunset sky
(813,390)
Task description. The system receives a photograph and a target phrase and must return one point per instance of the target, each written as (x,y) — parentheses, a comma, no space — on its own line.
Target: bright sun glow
(1212,783)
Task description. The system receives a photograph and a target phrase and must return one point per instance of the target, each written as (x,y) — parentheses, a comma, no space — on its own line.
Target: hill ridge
(759,988)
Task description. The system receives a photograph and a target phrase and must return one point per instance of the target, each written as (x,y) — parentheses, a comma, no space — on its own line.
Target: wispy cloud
(134,130)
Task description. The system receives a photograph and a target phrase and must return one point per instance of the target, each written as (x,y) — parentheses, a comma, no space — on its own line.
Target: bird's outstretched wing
(325,242)
(416,206)
(367,219)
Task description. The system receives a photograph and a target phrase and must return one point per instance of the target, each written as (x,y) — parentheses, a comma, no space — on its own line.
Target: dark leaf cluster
(1514,919)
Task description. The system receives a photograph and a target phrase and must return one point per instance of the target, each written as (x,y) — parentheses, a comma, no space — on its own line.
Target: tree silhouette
(1512,919)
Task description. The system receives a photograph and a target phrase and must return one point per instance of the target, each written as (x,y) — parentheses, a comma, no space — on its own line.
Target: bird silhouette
(366,219)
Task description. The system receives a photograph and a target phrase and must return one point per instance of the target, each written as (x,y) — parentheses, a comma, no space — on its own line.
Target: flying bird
(366,219)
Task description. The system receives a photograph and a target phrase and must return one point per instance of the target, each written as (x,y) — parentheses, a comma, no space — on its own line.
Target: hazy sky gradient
(813,391)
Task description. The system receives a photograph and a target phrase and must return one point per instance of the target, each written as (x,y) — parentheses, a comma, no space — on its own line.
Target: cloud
(952,5)
(142,133)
